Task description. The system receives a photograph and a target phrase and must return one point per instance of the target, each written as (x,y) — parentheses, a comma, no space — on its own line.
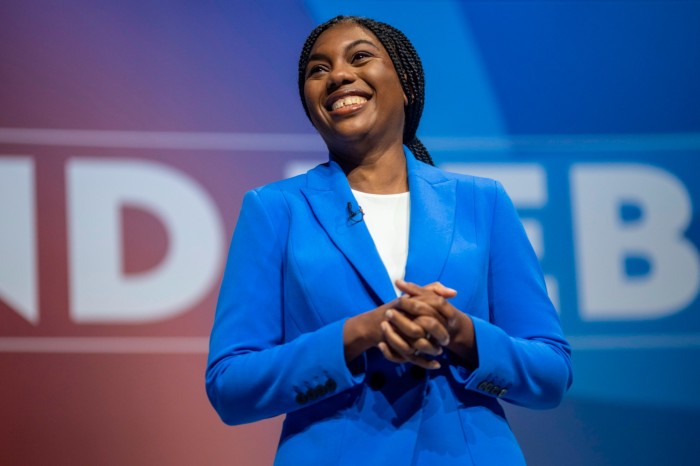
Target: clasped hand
(421,323)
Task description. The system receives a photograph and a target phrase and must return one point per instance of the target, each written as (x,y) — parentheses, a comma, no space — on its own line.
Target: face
(352,90)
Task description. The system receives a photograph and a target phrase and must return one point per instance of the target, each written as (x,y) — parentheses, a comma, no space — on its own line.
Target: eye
(315,69)
(360,56)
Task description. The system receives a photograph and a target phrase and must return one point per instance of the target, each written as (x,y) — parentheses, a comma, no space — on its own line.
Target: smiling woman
(353,95)
(383,304)
(406,64)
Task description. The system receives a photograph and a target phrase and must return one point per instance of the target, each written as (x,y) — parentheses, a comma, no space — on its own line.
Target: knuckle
(415,332)
(424,346)
(423,308)
(400,346)
(423,320)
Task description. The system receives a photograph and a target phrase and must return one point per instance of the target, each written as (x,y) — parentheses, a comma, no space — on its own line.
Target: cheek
(398,98)
(392,87)
(311,101)
(307,96)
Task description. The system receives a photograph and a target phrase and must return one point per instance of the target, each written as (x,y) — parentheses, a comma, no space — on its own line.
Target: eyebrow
(355,43)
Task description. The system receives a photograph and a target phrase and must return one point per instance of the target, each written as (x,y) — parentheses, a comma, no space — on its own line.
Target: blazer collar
(431,224)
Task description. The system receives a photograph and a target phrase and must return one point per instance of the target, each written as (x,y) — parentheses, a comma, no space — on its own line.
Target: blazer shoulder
(276,192)
(485,187)
(280,186)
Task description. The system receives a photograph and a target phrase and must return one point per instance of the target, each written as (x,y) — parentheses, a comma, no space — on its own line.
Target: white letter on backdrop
(99,291)
(604,241)
(18,272)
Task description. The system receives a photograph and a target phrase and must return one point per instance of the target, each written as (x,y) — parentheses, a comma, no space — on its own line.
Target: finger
(426,346)
(416,335)
(396,343)
(437,303)
(415,306)
(390,355)
(405,326)
(446,309)
(429,295)
(441,290)
(408,287)
(416,359)
(434,328)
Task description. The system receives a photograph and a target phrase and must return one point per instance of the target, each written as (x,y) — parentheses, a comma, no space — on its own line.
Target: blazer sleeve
(252,372)
(523,355)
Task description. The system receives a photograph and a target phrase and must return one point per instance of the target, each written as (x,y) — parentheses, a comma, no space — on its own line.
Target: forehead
(340,36)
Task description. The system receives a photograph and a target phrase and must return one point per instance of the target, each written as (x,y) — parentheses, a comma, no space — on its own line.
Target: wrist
(362,332)
(463,341)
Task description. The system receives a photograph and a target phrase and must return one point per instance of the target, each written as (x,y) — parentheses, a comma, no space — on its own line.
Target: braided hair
(406,63)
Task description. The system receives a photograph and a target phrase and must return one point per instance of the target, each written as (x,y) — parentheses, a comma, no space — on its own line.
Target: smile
(349,100)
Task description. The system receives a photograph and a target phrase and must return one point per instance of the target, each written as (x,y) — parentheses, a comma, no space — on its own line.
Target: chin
(347,133)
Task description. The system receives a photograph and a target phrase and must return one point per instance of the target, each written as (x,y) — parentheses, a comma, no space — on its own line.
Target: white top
(387,218)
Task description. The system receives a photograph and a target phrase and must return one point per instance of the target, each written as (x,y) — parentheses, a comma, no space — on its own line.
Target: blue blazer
(299,266)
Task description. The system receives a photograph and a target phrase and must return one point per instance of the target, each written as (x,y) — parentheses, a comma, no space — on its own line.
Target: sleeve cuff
(489,377)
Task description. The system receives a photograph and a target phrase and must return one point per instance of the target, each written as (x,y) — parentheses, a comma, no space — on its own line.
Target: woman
(384,305)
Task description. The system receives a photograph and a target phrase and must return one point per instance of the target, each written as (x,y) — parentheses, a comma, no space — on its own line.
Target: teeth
(349,100)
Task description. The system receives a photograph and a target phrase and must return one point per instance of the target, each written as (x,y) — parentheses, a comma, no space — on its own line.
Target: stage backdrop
(129,132)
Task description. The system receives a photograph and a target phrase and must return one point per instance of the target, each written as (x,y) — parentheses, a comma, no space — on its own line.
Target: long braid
(419,151)
(408,67)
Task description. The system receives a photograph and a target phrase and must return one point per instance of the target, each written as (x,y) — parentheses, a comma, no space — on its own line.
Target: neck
(377,171)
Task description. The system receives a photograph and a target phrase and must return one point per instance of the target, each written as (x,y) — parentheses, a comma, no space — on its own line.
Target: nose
(340,74)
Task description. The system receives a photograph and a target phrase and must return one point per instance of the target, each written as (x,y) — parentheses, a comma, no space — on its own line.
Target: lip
(342,93)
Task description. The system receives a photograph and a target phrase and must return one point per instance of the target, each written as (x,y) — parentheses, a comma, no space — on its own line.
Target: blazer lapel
(433,205)
(328,194)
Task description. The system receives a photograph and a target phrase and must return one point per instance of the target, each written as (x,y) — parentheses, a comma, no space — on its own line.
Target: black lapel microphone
(355,215)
